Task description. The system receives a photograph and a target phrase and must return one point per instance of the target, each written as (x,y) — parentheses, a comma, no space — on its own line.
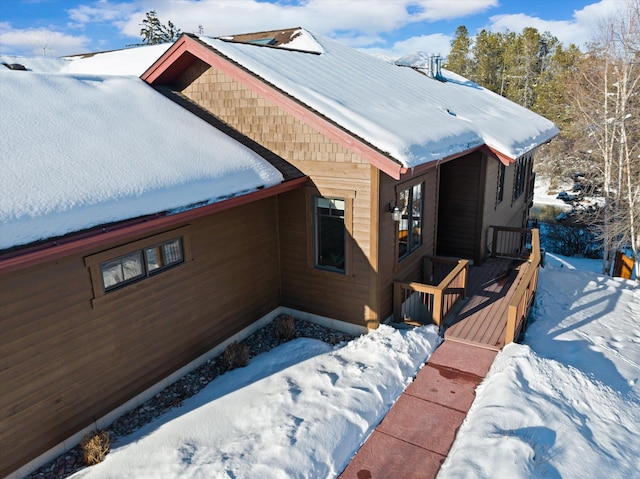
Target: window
(122,270)
(132,267)
(410,225)
(523,165)
(500,190)
(330,234)
(140,264)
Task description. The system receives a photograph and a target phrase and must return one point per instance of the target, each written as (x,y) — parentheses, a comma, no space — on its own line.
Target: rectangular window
(410,225)
(140,264)
(330,233)
(523,164)
(500,190)
(122,270)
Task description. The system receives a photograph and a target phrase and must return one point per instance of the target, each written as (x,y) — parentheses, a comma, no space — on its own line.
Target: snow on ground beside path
(566,403)
(299,411)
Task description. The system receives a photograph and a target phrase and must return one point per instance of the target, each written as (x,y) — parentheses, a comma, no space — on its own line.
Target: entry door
(460,207)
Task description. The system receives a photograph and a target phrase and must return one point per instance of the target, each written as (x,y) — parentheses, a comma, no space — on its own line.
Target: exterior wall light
(396,214)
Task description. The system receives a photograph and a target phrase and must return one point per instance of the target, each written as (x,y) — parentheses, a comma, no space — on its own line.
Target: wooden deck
(482,319)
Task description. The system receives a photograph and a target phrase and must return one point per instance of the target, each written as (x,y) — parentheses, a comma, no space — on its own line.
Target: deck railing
(424,303)
(522,300)
(511,242)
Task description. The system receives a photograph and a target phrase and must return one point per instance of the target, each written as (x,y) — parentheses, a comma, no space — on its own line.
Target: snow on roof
(288,39)
(129,61)
(399,110)
(77,151)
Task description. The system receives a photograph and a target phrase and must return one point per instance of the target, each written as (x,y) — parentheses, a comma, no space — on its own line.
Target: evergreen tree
(154,32)
(459,60)
(488,60)
(526,58)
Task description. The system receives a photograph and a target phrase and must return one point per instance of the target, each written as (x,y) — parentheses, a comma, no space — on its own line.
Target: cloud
(39,41)
(437,43)
(229,17)
(355,21)
(434,10)
(102,11)
(579,30)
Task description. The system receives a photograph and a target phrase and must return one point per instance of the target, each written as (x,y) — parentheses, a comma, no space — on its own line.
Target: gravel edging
(172,396)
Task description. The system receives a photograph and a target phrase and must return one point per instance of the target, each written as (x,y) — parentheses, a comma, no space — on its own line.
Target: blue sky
(390,27)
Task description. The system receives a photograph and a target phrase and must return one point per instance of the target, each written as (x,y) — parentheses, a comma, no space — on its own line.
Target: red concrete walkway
(415,436)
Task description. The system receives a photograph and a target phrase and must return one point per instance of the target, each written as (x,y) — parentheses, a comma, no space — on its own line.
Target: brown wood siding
(460,208)
(64,363)
(411,266)
(332,168)
(505,213)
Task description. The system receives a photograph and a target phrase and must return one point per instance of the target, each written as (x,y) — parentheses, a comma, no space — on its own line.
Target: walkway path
(414,438)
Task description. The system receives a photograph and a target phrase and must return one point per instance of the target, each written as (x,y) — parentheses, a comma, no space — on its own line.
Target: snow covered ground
(301,410)
(565,404)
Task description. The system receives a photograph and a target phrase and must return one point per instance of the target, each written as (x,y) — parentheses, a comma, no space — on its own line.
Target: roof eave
(83,241)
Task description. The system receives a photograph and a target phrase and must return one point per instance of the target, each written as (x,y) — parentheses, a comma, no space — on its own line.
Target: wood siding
(409,267)
(64,362)
(508,212)
(460,207)
(334,171)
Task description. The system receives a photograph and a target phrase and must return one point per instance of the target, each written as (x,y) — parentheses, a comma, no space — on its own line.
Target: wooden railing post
(510,332)
(437,308)
(465,277)
(494,244)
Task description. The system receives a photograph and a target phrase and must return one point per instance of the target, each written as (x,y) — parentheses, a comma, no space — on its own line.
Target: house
(453,157)
(128,248)
(258,173)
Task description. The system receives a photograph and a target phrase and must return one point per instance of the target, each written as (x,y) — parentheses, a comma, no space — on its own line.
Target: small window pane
(122,270)
(112,273)
(410,202)
(416,218)
(154,258)
(172,251)
(403,225)
(132,266)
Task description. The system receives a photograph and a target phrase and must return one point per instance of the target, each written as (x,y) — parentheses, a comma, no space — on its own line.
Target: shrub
(286,327)
(95,446)
(236,355)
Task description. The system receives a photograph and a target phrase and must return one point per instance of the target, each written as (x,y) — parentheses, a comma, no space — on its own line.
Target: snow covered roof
(399,110)
(78,151)
(290,39)
(129,61)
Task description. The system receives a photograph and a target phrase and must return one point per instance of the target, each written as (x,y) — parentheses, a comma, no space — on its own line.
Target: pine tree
(488,56)
(459,60)
(154,32)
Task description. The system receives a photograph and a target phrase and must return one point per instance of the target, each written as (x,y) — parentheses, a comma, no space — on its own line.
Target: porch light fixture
(395,212)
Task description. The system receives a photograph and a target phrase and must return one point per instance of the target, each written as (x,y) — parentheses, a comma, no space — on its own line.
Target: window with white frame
(410,203)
